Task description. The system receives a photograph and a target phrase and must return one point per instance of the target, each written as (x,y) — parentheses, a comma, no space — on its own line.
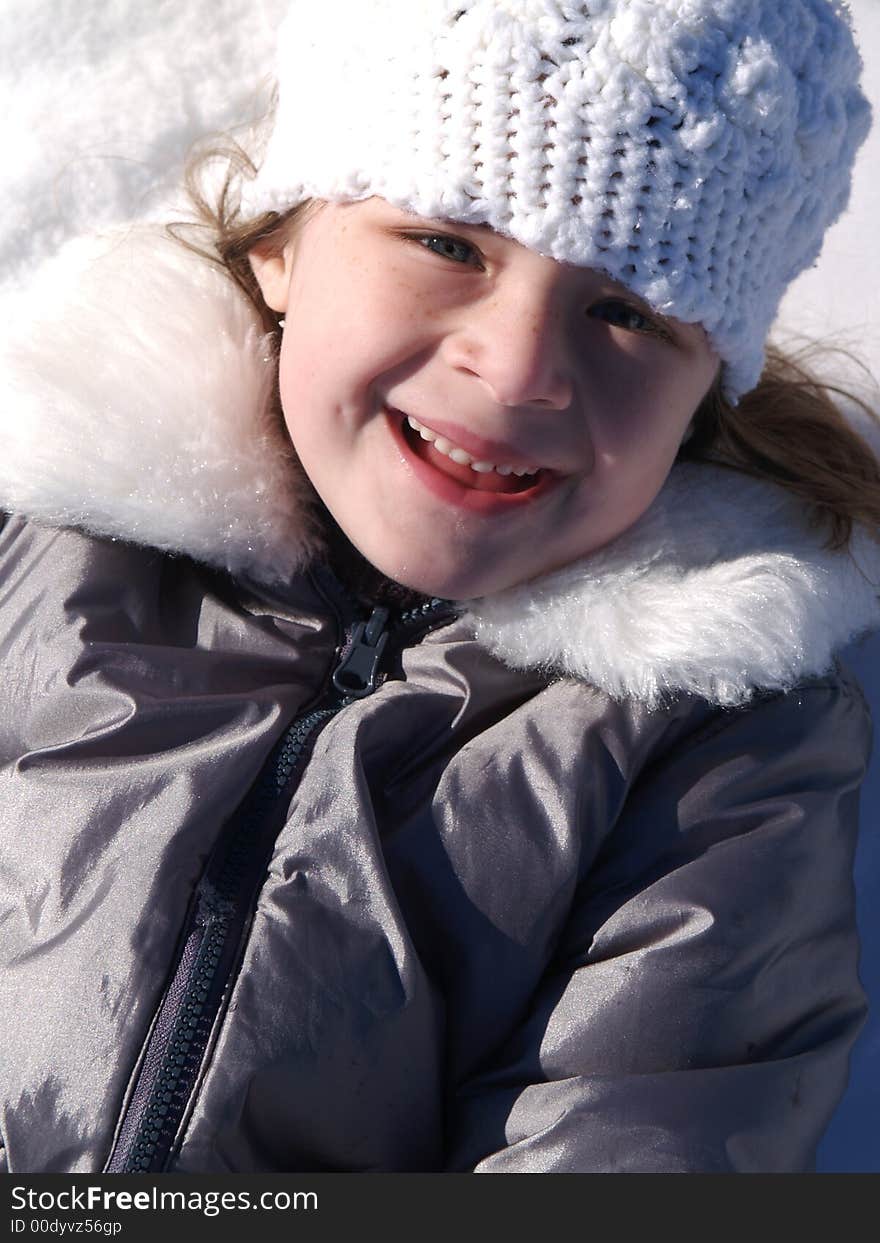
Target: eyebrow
(443,222)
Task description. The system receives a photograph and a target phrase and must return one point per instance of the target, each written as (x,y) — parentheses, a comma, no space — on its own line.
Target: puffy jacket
(302,871)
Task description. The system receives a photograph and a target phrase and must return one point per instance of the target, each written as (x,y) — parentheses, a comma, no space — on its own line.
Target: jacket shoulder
(703,998)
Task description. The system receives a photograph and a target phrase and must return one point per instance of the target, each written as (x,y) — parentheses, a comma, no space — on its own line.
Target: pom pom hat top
(694,150)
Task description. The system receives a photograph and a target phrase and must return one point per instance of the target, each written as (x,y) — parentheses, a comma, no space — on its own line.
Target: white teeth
(442,445)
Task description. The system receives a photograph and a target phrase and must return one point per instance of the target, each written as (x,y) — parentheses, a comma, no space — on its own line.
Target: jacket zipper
(222,907)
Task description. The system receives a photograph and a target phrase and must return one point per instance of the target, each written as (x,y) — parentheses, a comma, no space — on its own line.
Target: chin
(447,583)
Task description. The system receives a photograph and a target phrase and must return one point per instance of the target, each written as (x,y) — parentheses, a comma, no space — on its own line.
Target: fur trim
(136,388)
(137,392)
(719,589)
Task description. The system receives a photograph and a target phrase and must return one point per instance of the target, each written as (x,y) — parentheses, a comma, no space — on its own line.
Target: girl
(424,746)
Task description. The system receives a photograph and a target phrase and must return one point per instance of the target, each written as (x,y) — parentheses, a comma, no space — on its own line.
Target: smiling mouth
(463,473)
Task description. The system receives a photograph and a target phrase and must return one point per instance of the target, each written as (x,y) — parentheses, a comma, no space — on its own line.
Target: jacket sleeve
(700,1010)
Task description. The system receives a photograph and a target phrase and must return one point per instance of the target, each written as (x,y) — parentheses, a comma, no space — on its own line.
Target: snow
(101,100)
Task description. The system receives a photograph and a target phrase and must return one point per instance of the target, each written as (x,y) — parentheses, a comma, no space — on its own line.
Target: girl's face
(504,358)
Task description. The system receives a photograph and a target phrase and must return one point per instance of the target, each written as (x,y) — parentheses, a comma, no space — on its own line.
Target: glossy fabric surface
(509,924)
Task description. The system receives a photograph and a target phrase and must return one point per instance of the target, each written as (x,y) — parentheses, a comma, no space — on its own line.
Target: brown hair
(229,238)
(788,429)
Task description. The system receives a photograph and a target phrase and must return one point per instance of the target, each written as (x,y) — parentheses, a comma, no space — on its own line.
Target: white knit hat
(695,150)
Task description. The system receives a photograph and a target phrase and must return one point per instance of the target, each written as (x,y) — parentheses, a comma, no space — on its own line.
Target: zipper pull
(355,676)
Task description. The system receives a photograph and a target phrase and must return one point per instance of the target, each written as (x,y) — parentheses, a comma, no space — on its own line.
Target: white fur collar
(137,386)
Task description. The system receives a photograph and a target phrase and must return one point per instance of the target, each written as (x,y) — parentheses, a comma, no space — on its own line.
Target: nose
(514,344)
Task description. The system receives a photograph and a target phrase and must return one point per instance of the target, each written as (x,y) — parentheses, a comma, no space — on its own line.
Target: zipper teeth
(435,604)
(170,1092)
(356,605)
(192,1025)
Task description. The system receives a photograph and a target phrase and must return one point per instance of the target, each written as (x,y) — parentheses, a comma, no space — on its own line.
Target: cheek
(651,403)
(291,380)
(624,377)
(300,395)
(315,352)
(338,361)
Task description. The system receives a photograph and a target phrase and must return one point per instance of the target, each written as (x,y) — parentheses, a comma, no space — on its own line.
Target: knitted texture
(694,150)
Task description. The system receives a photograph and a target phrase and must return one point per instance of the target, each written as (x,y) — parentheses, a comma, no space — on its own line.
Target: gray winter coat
(558,880)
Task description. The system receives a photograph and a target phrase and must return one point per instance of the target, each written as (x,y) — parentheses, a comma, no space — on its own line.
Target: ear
(272,271)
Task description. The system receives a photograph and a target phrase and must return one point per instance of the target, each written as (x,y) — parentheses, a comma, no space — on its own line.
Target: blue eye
(622,315)
(449,247)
